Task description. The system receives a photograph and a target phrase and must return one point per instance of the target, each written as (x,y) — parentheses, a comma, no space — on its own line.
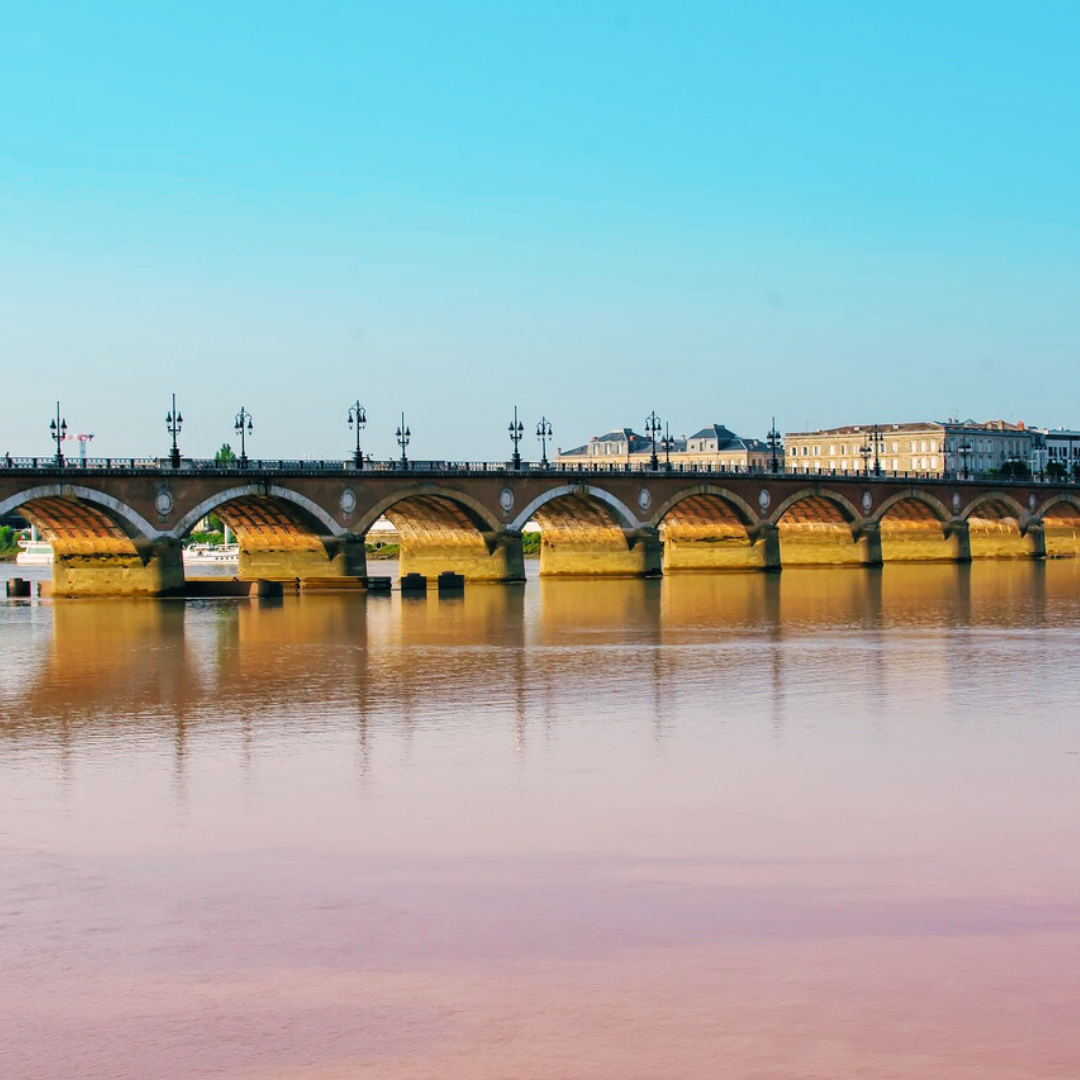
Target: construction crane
(82,440)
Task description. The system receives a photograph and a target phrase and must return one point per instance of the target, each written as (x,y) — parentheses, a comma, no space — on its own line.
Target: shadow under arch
(1060,516)
(707,527)
(585,531)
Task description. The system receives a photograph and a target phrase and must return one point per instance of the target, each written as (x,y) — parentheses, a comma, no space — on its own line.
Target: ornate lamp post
(174,420)
(58,432)
(516,429)
(877,441)
(242,427)
(543,433)
(963,448)
(403,435)
(773,439)
(652,429)
(667,443)
(358,417)
(866,450)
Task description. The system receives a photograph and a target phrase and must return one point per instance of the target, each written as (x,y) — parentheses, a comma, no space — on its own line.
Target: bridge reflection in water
(118,532)
(288,664)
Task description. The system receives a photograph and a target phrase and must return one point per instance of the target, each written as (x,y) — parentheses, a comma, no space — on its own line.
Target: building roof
(924,425)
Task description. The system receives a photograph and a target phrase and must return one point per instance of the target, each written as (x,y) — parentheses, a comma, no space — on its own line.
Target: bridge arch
(1061,500)
(587,531)
(478,515)
(915,526)
(1060,516)
(80,520)
(911,500)
(101,546)
(708,527)
(281,534)
(711,494)
(589,494)
(441,528)
(820,506)
(997,527)
(817,527)
(309,513)
(995,506)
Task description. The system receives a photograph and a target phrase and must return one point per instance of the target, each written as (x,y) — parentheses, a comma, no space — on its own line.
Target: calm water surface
(819,825)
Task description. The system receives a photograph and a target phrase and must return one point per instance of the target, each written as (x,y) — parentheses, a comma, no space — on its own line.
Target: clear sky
(833,212)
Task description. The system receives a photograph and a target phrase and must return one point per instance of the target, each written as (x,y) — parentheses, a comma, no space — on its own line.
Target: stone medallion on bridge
(956,502)
(644,499)
(164,502)
(506,500)
(347,502)
(763,499)
(1031,501)
(867,501)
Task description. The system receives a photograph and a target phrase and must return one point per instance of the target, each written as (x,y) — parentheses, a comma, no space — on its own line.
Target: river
(819,824)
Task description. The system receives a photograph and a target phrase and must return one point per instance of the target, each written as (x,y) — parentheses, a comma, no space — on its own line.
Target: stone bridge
(119,529)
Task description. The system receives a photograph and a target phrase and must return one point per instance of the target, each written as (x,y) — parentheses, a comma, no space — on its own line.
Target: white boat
(34,553)
(212,555)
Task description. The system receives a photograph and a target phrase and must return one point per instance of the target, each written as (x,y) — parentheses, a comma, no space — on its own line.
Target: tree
(225,455)
(1016,469)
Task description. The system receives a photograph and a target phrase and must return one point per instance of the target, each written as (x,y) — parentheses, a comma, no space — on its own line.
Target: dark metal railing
(339,467)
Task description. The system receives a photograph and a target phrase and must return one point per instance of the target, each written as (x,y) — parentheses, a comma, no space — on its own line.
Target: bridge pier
(301,557)
(491,556)
(154,569)
(596,554)
(1035,540)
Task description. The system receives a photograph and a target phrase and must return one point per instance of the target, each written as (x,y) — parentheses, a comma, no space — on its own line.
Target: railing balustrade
(285,466)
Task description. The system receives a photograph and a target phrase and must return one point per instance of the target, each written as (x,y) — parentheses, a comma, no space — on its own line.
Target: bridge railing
(338,467)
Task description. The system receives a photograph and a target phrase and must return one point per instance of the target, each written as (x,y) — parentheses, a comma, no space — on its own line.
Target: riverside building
(926,448)
(715,446)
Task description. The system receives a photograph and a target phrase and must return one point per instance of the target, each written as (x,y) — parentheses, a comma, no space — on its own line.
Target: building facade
(1058,453)
(715,446)
(927,448)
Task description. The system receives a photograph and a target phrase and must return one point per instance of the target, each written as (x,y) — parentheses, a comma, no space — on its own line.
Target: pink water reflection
(728,826)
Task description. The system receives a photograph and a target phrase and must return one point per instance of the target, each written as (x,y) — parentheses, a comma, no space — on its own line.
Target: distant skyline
(831,213)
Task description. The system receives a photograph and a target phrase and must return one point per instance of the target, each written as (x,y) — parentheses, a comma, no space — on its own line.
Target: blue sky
(830,212)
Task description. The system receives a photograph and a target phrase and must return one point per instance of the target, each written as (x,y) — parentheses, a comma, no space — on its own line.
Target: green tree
(7,537)
(225,455)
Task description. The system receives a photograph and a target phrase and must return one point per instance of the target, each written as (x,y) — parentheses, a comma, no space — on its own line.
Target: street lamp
(773,439)
(358,417)
(242,427)
(516,429)
(403,435)
(667,443)
(877,441)
(652,429)
(964,450)
(866,450)
(58,432)
(543,433)
(174,420)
